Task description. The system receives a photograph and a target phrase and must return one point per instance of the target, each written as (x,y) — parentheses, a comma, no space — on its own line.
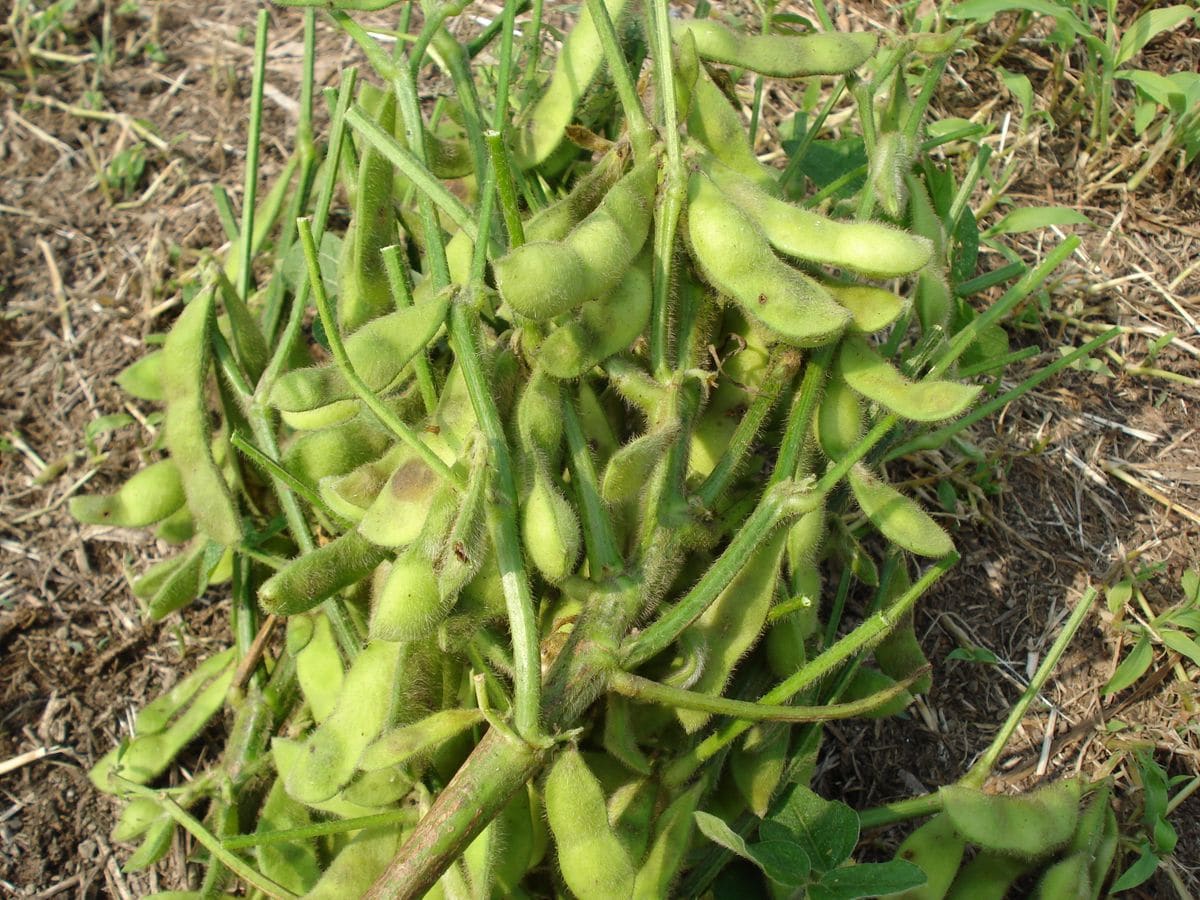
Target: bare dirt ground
(87,271)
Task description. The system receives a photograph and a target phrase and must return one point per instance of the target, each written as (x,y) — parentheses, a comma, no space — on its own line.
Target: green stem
(405,816)
(871,631)
(799,423)
(502,522)
(643,689)
(781,503)
(506,187)
(983,767)
(275,469)
(396,265)
(604,559)
(379,409)
(253,143)
(641,135)
(901,811)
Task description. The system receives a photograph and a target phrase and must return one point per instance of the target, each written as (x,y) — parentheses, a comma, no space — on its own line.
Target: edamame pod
(358,865)
(540,422)
(871,308)
(188,430)
(713,121)
(545,279)
(602,328)
(899,655)
(891,160)
(318,664)
(158,713)
(1067,879)
(868,248)
(379,351)
(291,864)
(396,516)
(150,496)
(872,376)
(407,605)
(757,765)
(938,849)
(399,746)
(574,69)
(556,221)
(779,55)
(172,588)
(673,833)
(350,495)
(1031,825)
(735,258)
(839,419)
(898,518)
(593,862)
(329,452)
(987,877)
(550,529)
(313,578)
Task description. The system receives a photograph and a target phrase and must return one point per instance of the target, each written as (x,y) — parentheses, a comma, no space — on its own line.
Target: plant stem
(901,811)
(406,816)
(502,172)
(253,143)
(604,559)
(396,265)
(641,135)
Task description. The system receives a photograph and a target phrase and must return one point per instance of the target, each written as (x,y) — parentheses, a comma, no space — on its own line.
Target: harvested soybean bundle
(549,511)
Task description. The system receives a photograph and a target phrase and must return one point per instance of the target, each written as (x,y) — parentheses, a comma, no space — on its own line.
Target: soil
(89,270)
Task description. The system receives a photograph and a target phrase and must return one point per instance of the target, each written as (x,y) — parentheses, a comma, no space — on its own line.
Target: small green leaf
(1148,27)
(1139,872)
(867,880)
(985,10)
(721,834)
(781,861)
(1132,667)
(103,425)
(1191,585)
(1031,218)
(826,830)
(974,654)
(1181,644)
(1118,595)
(1020,87)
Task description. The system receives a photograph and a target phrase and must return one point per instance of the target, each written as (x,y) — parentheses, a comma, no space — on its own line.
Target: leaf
(867,880)
(1118,595)
(1157,87)
(1148,27)
(983,10)
(1031,218)
(103,425)
(974,654)
(782,861)
(1020,87)
(721,834)
(826,830)
(1191,585)
(1132,667)
(1181,644)
(295,271)
(1139,872)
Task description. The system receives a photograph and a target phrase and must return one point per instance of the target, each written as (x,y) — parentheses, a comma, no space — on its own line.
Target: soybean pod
(779,55)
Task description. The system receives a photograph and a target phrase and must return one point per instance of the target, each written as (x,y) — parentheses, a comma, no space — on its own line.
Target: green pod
(673,833)
(179,585)
(156,715)
(550,530)
(240,328)
(407,605)
(467,545)
(620,735)
(364,708)
(638,388)
(400,746)
(521,842)
(575,68)
(311,579)
(602,327)
(188,429)
(629,470)
(900,519)
(787,638)
(839,419)
(148,755)
(397,515)
(136,818)
(715,123)
(987,877)
(318,418)
(364,290)
(870,684)
(155,845)
(177,528)
(292,864)
(1067,879)
(597,427)
(330,452)
(379,351)
(779,55)
(871,308)
(735,258)
(899,655)
(590,856)
(730,627)
(891,159)
(143,379)
(382,788)
(757,765)
(288,756)
(872,376)
(1031,826)
(937,848)
(540,422)
(150,496)
(631,812)
(318,664)
(868,248)
(350,495)
(361,861)
(546,279)
(556,221)
(933,299)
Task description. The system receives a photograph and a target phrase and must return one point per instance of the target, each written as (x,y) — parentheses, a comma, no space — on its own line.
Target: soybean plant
(547,502)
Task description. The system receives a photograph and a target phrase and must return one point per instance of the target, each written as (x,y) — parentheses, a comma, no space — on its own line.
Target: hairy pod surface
(872,376)
(149,496)
(313,578)
(897,517)
(781,56)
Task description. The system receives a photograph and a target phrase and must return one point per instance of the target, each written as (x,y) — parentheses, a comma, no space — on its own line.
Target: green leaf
(826,830)
(1191,585)
(295,271)
(781,861)
(1031,218)
(1118,595)
(1139,872)
(1157,87)
(974,654)
(1148,27)
(867,880)
(984,10)
(1020,87)
(1132,667)
(1181,644)
(1184,619)
(721,834)
(103,425)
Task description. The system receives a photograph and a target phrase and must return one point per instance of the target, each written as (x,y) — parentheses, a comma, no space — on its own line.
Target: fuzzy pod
(757,764)
(149,496)
(319,668)
(872,376)
(899,654)
(293,865)
(575,68)
(330,452)
(988,876)
(170,589)
(590,856)
(673,833)
(397,515)
(188,429)
(556,221)
(891,160)
(868,248)
(601,328)
(734,256)
(715,123)
(840,419)
(351,495)
(545,279)
(313,578)
(416,741)
(379,352)
(355,868)
(899,518)
(363,709)
(540,420)
(871,308)
(779,55)
(407,605)
(937,849)
(1030,826)
(550,530)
